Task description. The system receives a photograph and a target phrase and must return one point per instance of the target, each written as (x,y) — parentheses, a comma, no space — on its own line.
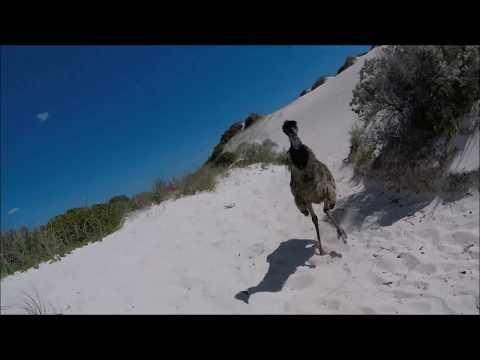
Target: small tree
(349,61)
(319,82)
(252,119)
(304,92)
(418,90)
(412,100)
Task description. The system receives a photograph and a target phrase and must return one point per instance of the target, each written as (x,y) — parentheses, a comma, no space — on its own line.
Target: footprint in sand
(318,260)
(300,282)
(421,307)
(426,269)
(421,285)
(433,235)
(400,295)
(412,263)
(333,305)
(386,264)
(463,238)
(346,268)
(257,249)
(409,260)
(375,279)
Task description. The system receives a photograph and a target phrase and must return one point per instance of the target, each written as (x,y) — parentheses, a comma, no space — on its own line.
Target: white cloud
(12,211)
(43,116)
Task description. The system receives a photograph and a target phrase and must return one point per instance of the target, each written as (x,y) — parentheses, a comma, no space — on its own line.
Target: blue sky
(80,124)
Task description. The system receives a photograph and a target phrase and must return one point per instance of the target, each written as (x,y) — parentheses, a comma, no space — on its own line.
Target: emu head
(290,127)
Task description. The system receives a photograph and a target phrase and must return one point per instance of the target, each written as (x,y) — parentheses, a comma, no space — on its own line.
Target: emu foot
(320,251)
(342,235)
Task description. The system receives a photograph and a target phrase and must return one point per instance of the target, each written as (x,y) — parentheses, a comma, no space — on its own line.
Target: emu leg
(340,232)
(315,222)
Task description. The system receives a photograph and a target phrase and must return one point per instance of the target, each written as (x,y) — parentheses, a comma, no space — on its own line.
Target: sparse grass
(361,151)
(33,305)
(23,249)
(204,179)
(355,141)
(259,153)
(144,199)
(225,159)
(363,157)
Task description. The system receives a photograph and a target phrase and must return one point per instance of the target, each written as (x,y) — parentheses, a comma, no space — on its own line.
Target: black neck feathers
(299,156)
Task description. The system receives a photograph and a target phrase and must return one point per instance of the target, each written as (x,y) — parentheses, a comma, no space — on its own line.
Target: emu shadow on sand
(283,262)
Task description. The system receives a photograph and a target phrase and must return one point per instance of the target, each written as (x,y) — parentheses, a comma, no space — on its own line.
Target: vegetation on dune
(349,61)
(252,119)
(411,102)
(233,130)
(23,249)
(319,82)
(303,92)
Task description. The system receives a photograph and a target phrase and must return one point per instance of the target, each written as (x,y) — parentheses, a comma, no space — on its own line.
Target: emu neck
(295,141)
(298,152)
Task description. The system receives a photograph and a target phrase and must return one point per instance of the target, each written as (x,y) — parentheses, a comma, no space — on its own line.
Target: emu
(311,181)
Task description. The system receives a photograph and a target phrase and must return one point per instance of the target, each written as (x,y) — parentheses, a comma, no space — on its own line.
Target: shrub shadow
(382,207)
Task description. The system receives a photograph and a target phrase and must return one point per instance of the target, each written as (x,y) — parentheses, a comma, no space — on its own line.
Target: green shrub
(119,199)
(145,199)
(363,156)
(304,92)
(23,249)
(204,179)
(252,153)
(234,129)
(252,119)
(217,150)
(412,100)
(231,132)
(355,141)
(421,89)
(165,189)
(355,136)
(319,82)
(349,61)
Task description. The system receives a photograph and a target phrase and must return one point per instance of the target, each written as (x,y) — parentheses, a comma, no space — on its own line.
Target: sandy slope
(195,254)
(405,254)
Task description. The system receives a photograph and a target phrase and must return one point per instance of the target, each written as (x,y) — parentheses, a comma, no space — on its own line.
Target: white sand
(404,254)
